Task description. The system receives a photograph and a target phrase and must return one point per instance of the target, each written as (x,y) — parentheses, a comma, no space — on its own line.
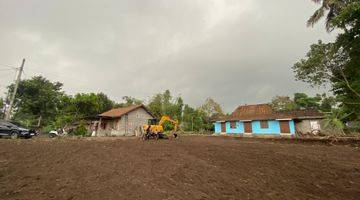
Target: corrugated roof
(264,112)
(118,112)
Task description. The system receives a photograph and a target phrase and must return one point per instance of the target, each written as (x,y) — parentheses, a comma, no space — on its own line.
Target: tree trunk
(39,121)
(348,84)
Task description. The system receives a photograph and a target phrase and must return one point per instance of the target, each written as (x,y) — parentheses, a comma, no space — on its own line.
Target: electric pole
(18,78)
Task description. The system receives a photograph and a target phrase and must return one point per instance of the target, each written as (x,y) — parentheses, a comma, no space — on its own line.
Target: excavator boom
(157,130)
(166,118)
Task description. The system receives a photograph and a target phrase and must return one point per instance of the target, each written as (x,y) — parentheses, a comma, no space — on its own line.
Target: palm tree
(332,7)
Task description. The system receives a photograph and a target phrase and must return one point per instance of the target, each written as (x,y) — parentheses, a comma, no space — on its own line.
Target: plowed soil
(189,168)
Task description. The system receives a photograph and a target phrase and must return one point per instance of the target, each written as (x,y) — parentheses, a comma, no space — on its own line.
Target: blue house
(262,119)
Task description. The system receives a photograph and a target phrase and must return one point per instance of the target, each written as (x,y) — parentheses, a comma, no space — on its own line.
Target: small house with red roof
(263,119)
(123,121)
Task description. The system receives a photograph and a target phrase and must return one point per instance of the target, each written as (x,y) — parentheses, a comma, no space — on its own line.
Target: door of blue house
(223,127)
(284,127)
(247,127)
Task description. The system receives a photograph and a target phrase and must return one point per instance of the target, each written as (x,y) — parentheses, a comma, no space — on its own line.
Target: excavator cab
(152,121)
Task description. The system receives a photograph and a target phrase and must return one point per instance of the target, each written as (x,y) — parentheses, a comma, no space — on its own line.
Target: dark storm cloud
(235,51)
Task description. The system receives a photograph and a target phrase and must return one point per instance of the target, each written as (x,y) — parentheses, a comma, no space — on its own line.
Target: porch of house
(110,127)
(117,127)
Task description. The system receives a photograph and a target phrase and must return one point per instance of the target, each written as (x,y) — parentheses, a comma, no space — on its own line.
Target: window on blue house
(264,124)
(232,124)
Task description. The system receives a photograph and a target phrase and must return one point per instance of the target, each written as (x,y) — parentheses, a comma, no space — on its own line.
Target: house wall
(239,128)
(304,127)
(273,128)
(132,121)
(107,126)
(217,127)
(292,127)
(128,124)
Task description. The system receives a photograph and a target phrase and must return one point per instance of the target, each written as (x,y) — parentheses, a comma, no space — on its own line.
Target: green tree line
(42,103)
(320,102)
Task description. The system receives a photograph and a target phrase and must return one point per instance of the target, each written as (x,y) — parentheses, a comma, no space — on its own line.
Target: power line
(6,74)
(7,69)
(31,68)
(9,66)
(25,75)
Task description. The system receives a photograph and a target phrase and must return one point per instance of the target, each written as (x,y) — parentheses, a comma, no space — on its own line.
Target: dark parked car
(15,131)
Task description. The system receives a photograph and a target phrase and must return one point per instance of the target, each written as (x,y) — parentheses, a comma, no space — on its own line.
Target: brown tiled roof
(118,112)
(264,111)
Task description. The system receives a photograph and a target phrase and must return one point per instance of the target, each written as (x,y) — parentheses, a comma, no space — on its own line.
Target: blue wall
(274,127)
(217,127)
(239,128)
(292,127)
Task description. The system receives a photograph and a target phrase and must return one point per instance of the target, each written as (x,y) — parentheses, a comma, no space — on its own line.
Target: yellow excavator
(153,130)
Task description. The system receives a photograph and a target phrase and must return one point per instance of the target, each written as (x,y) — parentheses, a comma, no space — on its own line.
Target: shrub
(81,130)
(48,128)
(168,126)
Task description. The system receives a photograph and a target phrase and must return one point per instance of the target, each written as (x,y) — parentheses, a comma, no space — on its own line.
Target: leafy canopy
(165,104)
(36,98)
(336,63)
(303,101)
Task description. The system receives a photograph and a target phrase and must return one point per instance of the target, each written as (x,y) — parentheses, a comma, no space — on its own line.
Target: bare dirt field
(192,167)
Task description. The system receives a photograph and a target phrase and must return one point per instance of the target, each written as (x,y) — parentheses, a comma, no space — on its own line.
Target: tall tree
(164,104)
(282,103)
(155,105)
(81,105)
(36,100)
(193,120)
(128,101)
(90,104)
(66,112)
(327,103)
(331,8)
(302,101)
(210,111)
(178,108)
(211,108)
(104,102)
(338,62)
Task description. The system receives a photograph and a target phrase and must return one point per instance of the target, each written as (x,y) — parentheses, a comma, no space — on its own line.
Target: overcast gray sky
(236,51)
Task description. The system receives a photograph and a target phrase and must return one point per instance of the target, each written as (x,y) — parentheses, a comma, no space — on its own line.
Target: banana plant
(335,119)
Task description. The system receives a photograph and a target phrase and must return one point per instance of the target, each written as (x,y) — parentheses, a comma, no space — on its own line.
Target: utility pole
(18,78)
